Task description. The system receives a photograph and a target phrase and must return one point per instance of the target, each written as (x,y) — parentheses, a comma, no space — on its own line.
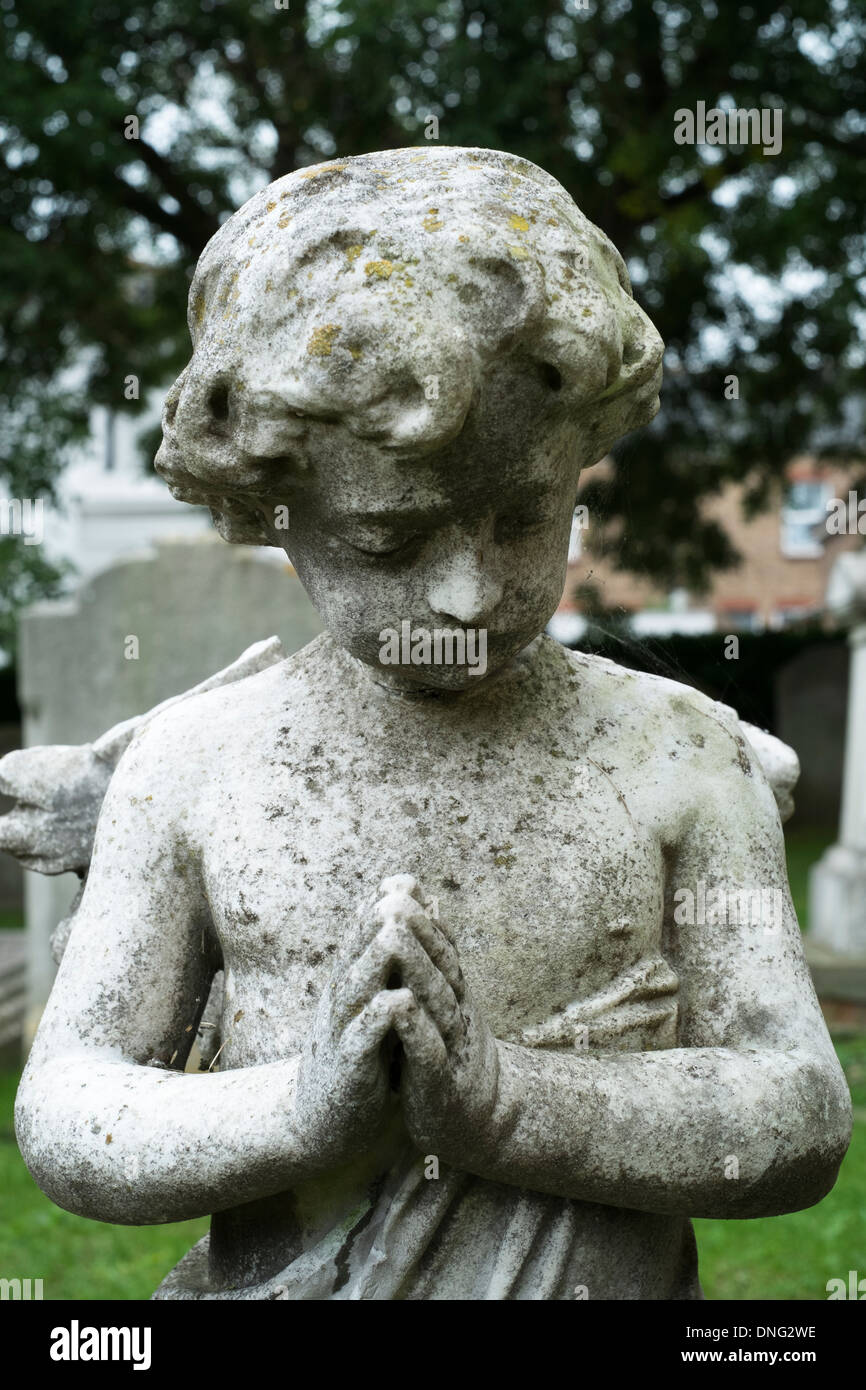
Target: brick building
(787,552)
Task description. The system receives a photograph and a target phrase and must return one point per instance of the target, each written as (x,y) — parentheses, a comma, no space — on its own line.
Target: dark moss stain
(341,1260)
(743,755)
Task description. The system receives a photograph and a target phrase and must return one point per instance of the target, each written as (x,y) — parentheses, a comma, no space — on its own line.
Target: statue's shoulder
(232,714)
(708,736)
(653,697)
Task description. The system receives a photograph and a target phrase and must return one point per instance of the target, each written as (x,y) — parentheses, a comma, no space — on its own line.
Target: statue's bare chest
(549,883)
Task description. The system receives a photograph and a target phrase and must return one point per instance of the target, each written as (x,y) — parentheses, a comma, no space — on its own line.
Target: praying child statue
(471,1046)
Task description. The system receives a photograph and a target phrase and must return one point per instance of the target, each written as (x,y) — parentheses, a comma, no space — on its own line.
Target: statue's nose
(200,408)
(465,588)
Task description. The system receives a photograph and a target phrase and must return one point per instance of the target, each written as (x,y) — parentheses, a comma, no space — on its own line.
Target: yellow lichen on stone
(325,169)
(322,340)
(519,253)
(269,207)
(463,238)
(353,252)
(431,221)
(380,270)
(284,221)
(518,223)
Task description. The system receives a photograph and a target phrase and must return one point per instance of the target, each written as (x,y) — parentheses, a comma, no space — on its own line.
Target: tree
(749,264)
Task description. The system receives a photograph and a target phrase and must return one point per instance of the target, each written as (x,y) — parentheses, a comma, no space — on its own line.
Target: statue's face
(472,537)
(400,363)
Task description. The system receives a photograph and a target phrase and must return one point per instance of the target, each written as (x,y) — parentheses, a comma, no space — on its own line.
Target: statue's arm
(107,1127)
(750,1116)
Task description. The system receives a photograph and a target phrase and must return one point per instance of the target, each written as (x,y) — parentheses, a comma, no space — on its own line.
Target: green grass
(783,1257)
(792,1257)
(76,1258)
(11,919)
(804,846)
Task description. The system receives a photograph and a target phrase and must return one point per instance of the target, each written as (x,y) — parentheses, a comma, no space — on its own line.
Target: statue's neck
(390,682)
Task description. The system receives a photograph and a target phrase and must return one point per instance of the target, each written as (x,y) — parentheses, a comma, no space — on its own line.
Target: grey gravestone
(811,699)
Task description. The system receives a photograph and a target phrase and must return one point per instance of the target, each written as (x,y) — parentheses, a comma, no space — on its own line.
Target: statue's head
(401,363)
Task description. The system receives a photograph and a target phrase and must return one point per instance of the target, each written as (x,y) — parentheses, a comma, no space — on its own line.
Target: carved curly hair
(376,290)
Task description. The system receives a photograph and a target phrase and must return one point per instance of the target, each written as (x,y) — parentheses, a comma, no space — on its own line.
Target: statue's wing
(780,764)
(59,789)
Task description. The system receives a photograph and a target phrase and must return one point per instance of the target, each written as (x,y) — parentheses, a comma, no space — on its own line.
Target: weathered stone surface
(478,1041)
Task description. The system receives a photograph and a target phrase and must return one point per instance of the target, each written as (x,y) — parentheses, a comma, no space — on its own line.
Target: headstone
(837,889)
(13,996)
(11,877)
(811,697)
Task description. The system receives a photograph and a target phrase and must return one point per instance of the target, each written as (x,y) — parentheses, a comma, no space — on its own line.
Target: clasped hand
(397,979)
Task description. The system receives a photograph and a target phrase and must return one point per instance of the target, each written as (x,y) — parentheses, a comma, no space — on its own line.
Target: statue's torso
(532,835)
(532,820)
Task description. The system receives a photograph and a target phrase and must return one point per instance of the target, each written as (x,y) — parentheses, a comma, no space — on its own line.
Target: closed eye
(384,551)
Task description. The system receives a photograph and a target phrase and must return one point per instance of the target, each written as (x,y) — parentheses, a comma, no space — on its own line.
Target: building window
(740,619)
(803,521)
(788,613)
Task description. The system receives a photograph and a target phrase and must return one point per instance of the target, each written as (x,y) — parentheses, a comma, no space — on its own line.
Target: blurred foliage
(232,93)
(25,576)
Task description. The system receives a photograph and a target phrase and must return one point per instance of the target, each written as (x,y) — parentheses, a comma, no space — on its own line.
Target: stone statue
(513,986)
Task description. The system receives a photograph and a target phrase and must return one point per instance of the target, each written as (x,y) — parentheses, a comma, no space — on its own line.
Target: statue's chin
(442,679)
